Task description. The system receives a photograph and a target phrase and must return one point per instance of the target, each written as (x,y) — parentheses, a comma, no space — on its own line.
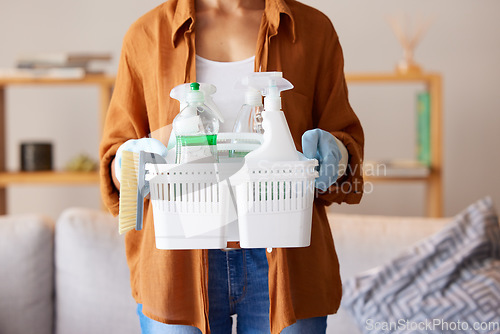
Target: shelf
(390,77)
(395,179)
(87,80)
(49,177)
(396,169)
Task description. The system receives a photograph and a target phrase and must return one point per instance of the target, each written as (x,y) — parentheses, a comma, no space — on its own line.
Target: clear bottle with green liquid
(197,125)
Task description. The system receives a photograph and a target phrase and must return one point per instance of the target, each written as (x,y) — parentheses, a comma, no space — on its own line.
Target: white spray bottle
(197,125)
(278,144)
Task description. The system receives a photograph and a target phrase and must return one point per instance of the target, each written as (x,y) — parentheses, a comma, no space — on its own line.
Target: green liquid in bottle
(198,147)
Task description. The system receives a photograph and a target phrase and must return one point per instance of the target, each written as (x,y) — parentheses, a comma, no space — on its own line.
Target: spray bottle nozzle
(270,85)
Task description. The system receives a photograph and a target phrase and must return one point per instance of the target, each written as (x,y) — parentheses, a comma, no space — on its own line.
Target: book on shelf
(423,128)
(47,61)
(61,59)
(395,168)
(45,73)
(35,65)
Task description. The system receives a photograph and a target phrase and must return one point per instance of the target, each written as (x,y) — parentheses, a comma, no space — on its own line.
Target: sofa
(68,276)
(71,276)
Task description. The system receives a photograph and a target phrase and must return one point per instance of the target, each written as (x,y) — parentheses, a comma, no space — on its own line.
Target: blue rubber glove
(136,145)
(321,145)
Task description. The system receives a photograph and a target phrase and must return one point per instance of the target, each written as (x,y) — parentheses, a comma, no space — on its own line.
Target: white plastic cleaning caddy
(269,193)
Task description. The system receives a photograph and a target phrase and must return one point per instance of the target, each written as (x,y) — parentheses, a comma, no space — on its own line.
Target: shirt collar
(273,11)
(185,13)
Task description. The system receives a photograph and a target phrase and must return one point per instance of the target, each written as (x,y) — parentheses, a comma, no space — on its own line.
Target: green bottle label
(197,140)
(201,148)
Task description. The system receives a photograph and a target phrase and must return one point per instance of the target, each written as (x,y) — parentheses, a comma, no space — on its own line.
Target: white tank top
(224,76)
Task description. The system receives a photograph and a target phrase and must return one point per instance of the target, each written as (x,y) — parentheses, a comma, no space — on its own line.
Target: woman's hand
(135,145)
(321,145)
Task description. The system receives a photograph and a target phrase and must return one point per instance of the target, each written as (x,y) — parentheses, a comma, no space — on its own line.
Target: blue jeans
(237,284)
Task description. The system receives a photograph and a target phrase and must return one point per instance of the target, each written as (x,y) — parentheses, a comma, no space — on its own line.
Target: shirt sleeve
(126,119)
(335,115)
(344,159)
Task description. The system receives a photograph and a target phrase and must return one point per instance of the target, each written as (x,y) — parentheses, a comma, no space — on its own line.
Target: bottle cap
(253,97)
(195,95)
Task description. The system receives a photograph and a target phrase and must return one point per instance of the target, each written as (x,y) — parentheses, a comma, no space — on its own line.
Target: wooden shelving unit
(433,179)
(103,82)
(55,177)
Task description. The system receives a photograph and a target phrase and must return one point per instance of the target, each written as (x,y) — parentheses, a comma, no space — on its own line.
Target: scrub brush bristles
(128,192)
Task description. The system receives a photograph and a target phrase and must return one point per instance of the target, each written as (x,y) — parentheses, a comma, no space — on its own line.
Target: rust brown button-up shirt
(158,54)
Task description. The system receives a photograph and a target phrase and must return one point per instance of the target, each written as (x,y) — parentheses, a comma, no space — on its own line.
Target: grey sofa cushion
(92,277)
(26,274)
(367,241)
(447,283)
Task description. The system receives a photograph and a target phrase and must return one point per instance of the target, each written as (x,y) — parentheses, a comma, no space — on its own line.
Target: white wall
(461,44)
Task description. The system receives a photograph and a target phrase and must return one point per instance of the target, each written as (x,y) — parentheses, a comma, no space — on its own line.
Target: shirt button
(269,250)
